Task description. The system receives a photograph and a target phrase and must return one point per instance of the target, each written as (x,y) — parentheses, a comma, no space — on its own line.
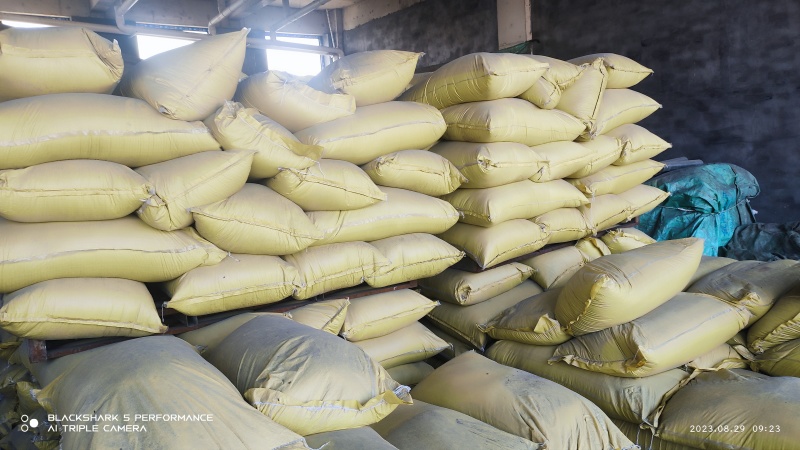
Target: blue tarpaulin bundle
(707,201)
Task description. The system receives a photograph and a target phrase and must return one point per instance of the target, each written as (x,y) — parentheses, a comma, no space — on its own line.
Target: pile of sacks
(666,341)
(217,204)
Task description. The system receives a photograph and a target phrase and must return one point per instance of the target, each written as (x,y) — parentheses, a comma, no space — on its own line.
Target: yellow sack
(520,403)
(326,315)
(305,379)
(619,288)
(410,344)
(782,360)
(376,130)
(720,357)
(468,323)
(334,266)
(380,314)
(560,159)
(564,225)
(636,400)
(490,165)
(423,425)
(416,170)
(239,281)
(376,76)
(520,200)
(554,269)
(617,179)
(178,383)
(56,127)
(457,346)
(760,412)
(623,239)
(674,333)
(508,120)
(419,77)
(275,147)
(621,107)
(57,60)
(413,256)
(410,374)
(531,321)
(362,438)
(195,180)
(605,211)
(642,199)
(709,264)
(466,288)
(582,100)
(644,438)
(191,82)
(592,247)
(623,72)
(490,246)
(291,102)
(546,91)
(206,337)
(605,151)
(256,220)
(119,248)
(76,308)
(752,286)
(403,212)
(68,191)
(638,144)
(329,185)
(477,77)
(779,325)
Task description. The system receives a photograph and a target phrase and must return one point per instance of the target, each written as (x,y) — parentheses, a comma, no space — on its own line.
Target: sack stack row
(655,333)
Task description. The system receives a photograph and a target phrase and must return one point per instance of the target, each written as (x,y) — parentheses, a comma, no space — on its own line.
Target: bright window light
(296,63)
(15,24)
(153,45)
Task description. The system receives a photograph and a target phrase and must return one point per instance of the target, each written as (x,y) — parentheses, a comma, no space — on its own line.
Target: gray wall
(442,29)
(726,71)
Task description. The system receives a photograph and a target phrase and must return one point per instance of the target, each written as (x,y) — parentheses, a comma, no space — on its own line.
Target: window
(294,62)
(153,45)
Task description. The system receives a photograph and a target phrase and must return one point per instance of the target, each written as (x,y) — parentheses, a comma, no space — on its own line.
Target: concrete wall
(726,71)
(443,29)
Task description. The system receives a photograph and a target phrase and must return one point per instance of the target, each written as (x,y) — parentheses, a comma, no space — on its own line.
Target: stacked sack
(643,364)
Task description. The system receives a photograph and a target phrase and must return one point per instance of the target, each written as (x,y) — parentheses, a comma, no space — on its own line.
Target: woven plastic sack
(779,325)
(491,164)
(623,239)
(490,246)
(638,144)
(424,425)
(554,269)
(120,248)
(377,315)
(622,106)
(329,185)
(290,101)
(709,264)
(605,211)
(560,159)
(531,321)
(723,356)
(127,131)
(623,72)
(416,170)
(520,200)
(564,225)
(371,77)
(468,323)
(409,344)
(616,289)
(178,382)
(520,403)
(326,315)
(642,199)
(477,77)
(466,288)
(617,179)
(782,360)
(68,191)
(410,374)
(403,212)
(583,99)
(239,281)
(207,337)
(675,333)
(334,266)
(35,61)
(413,256)
(605,151)
(362,438)
(275,147)
(75,308)
(191,82)
(546,91)
(376,130)
(508,120)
